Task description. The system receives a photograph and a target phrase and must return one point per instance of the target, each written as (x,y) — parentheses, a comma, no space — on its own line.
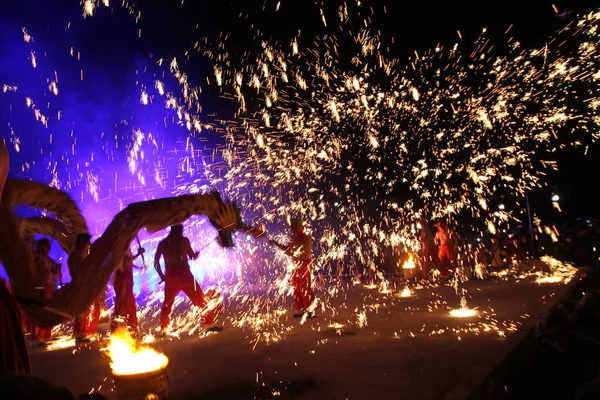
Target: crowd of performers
(176,251)
(441,253)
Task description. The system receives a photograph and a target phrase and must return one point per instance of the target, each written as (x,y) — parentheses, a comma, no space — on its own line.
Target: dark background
(413,25)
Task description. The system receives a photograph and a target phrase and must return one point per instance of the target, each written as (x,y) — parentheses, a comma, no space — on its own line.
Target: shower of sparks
(339,147)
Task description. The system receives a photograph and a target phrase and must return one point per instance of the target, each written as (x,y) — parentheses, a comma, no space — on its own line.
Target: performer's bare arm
(276,243)
(191,254)
(58,272)
(70,264)
(291,249)
(159,254)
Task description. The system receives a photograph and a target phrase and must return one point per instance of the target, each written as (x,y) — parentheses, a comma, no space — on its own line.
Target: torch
(139,372)
(409,268)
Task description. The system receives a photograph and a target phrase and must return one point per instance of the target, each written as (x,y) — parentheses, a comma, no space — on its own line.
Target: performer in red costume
(176,250)
(428,248)
(125,311)
(300,249)
(44,265)
(446,252)
(13,349)
(86,324)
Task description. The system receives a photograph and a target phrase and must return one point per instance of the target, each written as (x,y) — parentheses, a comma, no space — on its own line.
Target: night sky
(113,55)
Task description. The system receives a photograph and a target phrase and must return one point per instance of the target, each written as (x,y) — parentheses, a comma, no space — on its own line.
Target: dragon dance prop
(106,253)
(53,228)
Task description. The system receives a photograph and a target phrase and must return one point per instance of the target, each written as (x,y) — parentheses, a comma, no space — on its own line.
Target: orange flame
(127,358)
(410,263)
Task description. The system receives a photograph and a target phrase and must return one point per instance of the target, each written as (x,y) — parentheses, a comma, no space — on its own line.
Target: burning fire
(406,292)
(410,263)
(130,359)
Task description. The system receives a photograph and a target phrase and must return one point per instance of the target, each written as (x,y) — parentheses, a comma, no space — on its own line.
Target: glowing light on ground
(463,311)
(383,288)
(549,279)
(62,342)
(406,292)
(559,271)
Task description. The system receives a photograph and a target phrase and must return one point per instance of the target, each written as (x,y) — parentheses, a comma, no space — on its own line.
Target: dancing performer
(125,310)
(446,252)
(176,250)
(427,247)
(13,348)
(86,324)
(44,268)
(300,248)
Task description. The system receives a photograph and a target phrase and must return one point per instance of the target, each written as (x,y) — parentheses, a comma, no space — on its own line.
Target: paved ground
(411,348)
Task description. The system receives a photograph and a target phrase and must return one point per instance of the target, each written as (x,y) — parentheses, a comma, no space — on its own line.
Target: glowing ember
(383,288)
(63,342)
(336,325)
(560,272)
(463,311)
(371,286)
(130,359)
(549,279)
(406,292)
(410,263)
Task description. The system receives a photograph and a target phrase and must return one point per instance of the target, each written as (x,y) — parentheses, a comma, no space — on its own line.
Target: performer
(44,265)
(86,324)
(13,348)
(427,247)
(56,276)
(125,308)
(446,252)
(339,272)
(176,250)
(300,248)
(321,275)
(355,270)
